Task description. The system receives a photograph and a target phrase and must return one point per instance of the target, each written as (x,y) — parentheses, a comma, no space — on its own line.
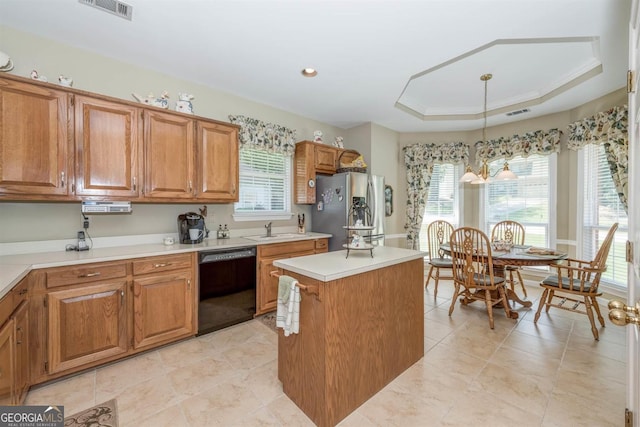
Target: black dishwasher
(227,288)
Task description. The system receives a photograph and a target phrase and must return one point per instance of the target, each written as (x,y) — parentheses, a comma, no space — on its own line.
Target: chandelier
(483,176)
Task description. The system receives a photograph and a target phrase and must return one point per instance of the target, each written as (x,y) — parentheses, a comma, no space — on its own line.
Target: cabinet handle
(188,284)
(190,187)
(164,264)
(122,295)
(62,179)
(134,184)
(233,191)
(90,274)
(22,292)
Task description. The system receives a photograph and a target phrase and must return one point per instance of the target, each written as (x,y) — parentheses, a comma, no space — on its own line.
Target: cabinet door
(217,162)
(107,148)
(34,141)
(162,308)
(21,319)
(86,324)
(169,155)
(7,363)
(267,287)
(325,159)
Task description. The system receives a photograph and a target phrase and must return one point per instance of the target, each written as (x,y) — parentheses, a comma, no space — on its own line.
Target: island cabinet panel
(86,324)
(355,337)
(169,155)
(35,155)
(163,300)
(217,154)
(107,138)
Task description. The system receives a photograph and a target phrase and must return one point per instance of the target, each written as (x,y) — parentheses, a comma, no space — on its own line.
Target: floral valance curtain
(260,135)
(538,142)
(419,160)
(608,128)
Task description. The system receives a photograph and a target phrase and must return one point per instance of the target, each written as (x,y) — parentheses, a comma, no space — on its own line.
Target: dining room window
(529,200)
(444,201)
(600,208)
(265,192)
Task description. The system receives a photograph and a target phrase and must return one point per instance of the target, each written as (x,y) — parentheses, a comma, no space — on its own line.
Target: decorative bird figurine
(36,76)
(65,81)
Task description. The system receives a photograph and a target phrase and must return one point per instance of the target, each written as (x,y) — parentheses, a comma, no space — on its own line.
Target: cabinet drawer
(87,273)
(285,248)
(162,263)
(322,244)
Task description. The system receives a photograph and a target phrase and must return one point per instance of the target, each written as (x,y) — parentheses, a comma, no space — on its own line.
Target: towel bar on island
(308,288)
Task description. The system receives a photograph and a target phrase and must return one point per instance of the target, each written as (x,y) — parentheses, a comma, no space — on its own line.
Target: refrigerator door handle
(371,198)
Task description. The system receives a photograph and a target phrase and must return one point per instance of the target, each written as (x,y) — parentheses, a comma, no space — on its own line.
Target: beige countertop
(14,268)
(335,265)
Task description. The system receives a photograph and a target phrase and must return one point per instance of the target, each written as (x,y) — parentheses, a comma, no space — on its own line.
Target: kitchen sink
(280,236)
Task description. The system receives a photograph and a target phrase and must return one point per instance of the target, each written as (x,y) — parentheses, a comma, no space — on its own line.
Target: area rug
(269,319)
(102,415)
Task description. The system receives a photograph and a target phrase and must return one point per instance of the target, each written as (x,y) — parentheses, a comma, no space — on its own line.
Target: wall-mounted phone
(82,243)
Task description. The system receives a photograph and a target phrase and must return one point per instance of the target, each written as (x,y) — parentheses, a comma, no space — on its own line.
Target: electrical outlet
(85,223)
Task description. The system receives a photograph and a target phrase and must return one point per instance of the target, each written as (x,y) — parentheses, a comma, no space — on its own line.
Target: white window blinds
(264,183)
(443,201)
(601,209)
(526,200)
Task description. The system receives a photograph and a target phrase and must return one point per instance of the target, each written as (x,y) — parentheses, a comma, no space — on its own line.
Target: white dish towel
(288,307)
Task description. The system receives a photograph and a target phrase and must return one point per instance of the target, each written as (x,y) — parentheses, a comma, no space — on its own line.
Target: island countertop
(335,265)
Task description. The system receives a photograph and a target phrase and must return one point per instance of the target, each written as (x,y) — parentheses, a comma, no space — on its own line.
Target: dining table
(519,256)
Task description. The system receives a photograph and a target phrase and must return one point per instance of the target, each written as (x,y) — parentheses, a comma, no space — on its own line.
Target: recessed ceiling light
(309,72)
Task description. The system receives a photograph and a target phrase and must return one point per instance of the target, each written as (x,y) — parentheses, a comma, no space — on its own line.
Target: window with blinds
(601,209)
(527,200)
(443,201)
(264,183)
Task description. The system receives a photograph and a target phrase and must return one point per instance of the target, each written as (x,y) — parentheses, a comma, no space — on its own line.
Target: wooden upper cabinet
(217,161)
(169,155)
(34,141)
(325,159)
(107,138)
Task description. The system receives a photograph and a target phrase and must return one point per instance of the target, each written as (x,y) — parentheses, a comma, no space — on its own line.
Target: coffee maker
(191,221)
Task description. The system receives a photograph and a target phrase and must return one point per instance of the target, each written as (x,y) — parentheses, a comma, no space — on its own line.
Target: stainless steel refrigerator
(337,194)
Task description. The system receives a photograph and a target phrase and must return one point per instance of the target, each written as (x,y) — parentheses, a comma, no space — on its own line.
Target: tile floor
(519,374)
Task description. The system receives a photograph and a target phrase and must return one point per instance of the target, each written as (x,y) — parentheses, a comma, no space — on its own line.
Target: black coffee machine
(191,221)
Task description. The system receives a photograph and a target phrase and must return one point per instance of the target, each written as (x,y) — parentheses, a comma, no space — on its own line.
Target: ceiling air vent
(515,113)
(113,7)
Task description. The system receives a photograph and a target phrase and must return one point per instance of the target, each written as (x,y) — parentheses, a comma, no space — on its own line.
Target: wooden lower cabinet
(14,346)
(7,362)
(86,324)
(86,315)
(163,307)
(22,379)
(267,285)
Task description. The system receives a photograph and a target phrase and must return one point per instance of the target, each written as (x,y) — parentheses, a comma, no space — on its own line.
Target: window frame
(580,235)
(458,170)
(552,200)
(255,215)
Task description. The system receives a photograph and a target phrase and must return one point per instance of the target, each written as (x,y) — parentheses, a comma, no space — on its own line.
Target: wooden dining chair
(575,283)
(512,232)
(438,232)
(473,276)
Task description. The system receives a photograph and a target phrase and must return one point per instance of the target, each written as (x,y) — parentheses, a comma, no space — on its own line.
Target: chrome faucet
(268,227)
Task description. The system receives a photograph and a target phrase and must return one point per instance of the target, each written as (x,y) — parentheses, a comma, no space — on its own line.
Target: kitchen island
(361,325)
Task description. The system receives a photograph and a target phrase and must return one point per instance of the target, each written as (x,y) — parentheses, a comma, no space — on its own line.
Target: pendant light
(483,176)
